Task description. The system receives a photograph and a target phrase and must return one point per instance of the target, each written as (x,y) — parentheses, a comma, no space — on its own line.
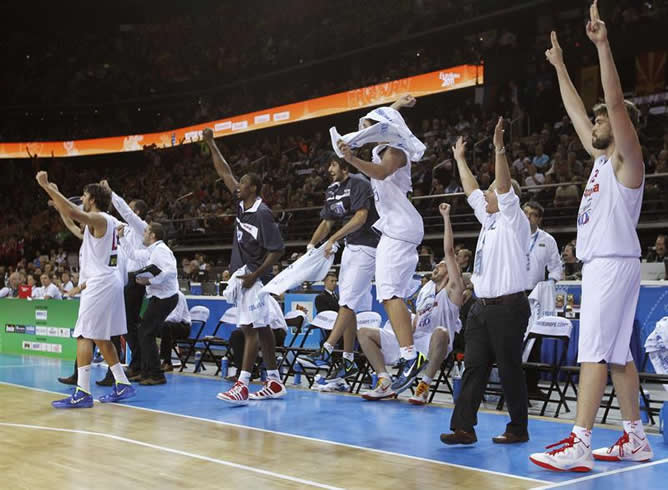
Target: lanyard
(533,242)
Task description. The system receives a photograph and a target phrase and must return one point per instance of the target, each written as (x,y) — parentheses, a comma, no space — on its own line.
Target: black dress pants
(170,333)
(494,332)
(134,296)
(154,317)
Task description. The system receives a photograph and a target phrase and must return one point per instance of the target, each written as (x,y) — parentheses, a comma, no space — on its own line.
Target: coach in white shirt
(543,254)
(162,290)
(497,321)
(134,214)
(543,249)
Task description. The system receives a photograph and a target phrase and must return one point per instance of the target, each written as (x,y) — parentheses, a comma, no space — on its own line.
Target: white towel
(312,266)
(542,302)
(656,347)
(233,290)
(390,128)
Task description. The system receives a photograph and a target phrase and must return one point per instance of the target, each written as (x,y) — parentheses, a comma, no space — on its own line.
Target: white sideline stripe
(639,466)
(175,451)
(306,438)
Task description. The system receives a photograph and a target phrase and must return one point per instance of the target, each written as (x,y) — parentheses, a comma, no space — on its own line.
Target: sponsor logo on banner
(20,329)
(191,136)
(26,345)
(30,329)
(43,331)
(64,332)
(36,346)
(282,116)
(9,328)
(223,126)
(53,332)
(41,315)
(448,78)
(262,118)
(236,126)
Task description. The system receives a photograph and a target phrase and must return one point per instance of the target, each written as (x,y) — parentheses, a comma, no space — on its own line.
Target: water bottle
(374,379)
(457,380)
(198,361)
(298,374)
(644,409)
(128,354)
(224,364)
(217,288)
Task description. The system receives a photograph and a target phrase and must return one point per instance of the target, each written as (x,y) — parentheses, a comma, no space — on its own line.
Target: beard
(600,143)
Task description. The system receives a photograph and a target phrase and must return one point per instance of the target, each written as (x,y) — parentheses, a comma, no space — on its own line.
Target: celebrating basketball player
(608,245)
(101,309)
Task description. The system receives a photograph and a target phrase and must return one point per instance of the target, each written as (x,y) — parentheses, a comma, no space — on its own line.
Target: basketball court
(179,435)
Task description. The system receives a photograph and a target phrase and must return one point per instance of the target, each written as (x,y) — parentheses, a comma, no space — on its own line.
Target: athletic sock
(328,347)
(583,434)
(84,378)
(384,376)
(409,353)
(426,380)
(634,427)
(244,377)
(349,356)
(119,374)
(273,374)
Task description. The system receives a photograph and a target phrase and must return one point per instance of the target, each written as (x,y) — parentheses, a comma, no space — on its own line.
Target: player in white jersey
(402,231)
(608,245)
(101,308)
(434,325)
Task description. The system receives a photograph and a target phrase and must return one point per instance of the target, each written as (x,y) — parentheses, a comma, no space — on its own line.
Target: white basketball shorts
(610,289)
(396,261)
(358,265)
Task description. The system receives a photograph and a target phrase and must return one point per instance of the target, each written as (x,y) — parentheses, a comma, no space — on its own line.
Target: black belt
(503,300)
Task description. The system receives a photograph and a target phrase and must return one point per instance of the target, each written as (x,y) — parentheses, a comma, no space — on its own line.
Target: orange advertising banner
(383,93)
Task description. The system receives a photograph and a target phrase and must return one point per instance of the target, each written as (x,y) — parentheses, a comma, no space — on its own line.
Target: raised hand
(498,134)
(555,55)
(207,134)
(444,209)
(406,100)
(42,178)
(346,150)
(596,30)
(459,150)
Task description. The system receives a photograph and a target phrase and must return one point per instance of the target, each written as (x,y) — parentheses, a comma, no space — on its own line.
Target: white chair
(368,319)
(199,315)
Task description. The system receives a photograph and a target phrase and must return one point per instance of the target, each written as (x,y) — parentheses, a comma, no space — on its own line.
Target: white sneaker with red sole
(271,389)
(421,395)
(629,447)
(382,390)
(237,395)
(572,455)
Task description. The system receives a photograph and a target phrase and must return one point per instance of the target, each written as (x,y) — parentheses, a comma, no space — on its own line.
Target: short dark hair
(101,196)
(535,205)
(141,208)
(602,110)
(331,274)
(158,230)
(256,181)
(333,157)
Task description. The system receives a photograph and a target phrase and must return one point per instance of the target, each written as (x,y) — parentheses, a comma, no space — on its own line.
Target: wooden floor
(114,446)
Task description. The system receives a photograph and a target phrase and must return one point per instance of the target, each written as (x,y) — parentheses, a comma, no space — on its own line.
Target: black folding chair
(199,315)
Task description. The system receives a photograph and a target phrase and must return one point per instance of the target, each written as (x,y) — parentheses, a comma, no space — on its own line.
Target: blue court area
(390,426)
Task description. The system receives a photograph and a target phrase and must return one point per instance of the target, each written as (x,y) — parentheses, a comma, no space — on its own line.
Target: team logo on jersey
(583,218)
(338,208)
(239,234)
(591,190)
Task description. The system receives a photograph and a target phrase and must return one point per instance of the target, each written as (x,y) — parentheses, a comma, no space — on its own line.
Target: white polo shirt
(543,252)
(501,263)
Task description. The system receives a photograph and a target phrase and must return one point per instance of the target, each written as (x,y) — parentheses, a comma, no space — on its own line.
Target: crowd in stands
(179,184)
(205,65)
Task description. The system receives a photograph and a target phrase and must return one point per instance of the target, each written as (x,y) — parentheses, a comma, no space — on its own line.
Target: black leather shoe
(510,438)
(70,380)
(153,381)
(108,380)
(459,437)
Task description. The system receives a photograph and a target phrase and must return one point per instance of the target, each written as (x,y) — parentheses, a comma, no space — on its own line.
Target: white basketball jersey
(100,257)
(608,216)
(436,310)
(398,218)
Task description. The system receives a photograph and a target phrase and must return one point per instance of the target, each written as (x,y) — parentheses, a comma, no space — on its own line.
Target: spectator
(464,261)
(67,284)
(659,252)
(328,300)
(12,288)
(567,195)
(572,266)
(540,160)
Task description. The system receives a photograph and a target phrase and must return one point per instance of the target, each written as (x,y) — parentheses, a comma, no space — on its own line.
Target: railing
(298,224)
